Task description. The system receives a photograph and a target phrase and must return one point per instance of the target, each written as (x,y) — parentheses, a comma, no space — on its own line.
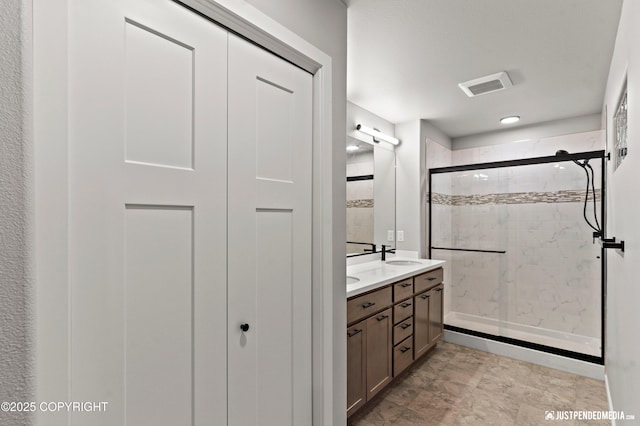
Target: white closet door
(147,173)
(270,115)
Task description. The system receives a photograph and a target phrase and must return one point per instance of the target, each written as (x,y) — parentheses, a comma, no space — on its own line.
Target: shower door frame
(587,155)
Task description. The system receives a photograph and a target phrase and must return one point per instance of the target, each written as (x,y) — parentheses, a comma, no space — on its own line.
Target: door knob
(244,327)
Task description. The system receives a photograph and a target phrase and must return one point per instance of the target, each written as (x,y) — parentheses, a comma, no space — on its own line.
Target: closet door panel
(147,184)
(270,111)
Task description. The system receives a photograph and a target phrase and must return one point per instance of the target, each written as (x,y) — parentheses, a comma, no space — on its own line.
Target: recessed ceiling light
(511,119)
(353,148)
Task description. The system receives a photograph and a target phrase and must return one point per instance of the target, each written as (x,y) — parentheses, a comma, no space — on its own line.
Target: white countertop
(378,273)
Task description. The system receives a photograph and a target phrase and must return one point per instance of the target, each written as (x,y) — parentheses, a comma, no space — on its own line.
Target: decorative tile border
(563,196)
(366,203)
(437,198)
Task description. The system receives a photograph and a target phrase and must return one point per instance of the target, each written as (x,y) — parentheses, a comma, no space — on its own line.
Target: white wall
(408,186)
(566,126)
(16,301)
(431,132)
(357,115)
(622,351)
(411,181)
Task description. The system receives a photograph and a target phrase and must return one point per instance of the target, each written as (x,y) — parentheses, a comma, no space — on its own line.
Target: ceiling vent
(487,84)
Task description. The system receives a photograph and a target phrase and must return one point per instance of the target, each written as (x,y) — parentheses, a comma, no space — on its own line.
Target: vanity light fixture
(510,120)
(377,134)
(352,148)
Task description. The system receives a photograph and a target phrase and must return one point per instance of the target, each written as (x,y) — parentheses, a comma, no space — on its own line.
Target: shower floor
(543,336)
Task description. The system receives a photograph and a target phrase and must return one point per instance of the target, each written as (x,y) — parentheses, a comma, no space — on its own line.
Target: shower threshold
(562,343)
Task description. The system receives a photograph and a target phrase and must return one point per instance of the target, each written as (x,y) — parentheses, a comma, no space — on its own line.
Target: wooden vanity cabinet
(428,323)
(368,304)
(436,320)
(403,325)
(422,342)
(369,346)
(356,366)
(427,280)
(402,356)
(379,348)
(388,329)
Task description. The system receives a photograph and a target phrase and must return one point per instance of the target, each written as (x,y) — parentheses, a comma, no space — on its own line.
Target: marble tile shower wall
(577,142)
(549,276)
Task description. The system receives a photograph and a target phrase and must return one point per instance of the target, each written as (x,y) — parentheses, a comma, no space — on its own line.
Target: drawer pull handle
(382,317)
(406,305)
(368,305)
(354,332)
(406,348)
(405,284)
(424,296)
(405,326)
(439,289)
(431,278)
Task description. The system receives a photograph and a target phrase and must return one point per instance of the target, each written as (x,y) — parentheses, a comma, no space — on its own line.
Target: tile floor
(456,385)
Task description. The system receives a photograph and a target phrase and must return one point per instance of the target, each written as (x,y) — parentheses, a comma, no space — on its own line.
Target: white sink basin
(352,280)
(402,262)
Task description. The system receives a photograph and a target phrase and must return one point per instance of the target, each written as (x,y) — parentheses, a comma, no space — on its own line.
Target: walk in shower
(523,265)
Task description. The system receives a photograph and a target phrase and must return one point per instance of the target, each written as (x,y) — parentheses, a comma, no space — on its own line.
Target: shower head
(562,152)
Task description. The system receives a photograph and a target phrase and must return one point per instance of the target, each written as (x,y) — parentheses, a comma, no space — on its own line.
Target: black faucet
(386,249)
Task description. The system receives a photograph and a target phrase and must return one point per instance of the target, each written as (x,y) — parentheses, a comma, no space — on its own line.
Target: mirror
(371,196)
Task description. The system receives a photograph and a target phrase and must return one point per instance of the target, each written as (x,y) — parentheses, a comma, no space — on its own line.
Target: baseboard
(609,400)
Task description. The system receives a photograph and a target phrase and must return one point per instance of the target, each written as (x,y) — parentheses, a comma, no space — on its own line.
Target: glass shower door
(468,230)
(554,267)
(522,263)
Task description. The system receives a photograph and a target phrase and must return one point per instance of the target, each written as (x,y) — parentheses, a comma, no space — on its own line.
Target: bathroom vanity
(394,316)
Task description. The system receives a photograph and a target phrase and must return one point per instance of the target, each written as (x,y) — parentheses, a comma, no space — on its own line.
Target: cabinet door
(421,323)
(435,313)
(356,366)
(379,352)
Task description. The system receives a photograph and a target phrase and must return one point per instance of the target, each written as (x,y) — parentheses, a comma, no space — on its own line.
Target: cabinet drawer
(402,290)
(402,330)
(368,304)
(402,310)
(402,356)
(427,280)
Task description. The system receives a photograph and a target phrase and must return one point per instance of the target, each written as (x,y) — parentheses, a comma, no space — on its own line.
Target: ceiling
(406,57)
